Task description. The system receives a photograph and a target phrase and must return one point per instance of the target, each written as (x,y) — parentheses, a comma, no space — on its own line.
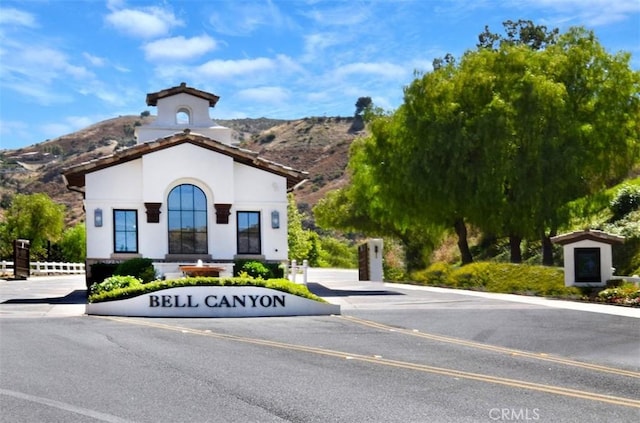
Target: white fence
(39,268)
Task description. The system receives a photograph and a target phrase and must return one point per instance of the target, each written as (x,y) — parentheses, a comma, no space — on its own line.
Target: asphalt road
(396,354)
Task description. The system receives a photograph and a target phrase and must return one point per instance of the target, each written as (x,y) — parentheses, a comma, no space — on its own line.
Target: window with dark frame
(125,231)
(249,241)
(187,216)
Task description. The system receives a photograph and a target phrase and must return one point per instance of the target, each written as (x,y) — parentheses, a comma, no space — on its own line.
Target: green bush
(256,269)
(473,276)
(437,274)
(499,277)
(101,271)
(141,268)
(113,283)
(626,294)
(626,200)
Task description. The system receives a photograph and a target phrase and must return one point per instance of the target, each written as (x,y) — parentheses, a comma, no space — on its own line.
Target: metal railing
(40,268)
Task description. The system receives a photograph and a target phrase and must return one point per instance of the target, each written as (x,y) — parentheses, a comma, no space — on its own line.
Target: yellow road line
(494,348)
(627,402)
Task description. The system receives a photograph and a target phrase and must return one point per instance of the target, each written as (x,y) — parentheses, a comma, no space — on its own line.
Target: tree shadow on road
(79,296)
(322,291)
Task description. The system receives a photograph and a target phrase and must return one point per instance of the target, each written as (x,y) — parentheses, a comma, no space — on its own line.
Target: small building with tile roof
(588,257)
(184,193)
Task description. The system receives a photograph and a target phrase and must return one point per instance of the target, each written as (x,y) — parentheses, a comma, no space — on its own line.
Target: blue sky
(67,64)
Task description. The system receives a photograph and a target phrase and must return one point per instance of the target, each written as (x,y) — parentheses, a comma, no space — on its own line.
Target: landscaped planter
(213,301)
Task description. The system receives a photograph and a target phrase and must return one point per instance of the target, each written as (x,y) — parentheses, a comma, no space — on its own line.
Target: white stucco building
(588,258)
(183,193)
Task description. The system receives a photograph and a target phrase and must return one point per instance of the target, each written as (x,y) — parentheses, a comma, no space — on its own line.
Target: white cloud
(45,64)
(94,60)
(591,13)
(37,92)
(349,15)
(242,18)
(145,23)
(385,70)
(11,16)
(265,94)
(179,48)
(121,68)
(240,72)
(233,68)
(315,44)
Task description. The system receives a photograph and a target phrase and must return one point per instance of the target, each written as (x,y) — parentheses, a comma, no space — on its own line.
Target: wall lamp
(97,218)
(275,219)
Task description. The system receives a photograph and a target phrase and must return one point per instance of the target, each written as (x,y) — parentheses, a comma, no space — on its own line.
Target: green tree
(521,32)
(503,138)
(361,207)
(74,244)
(362,105)
(299,239)
(34,217)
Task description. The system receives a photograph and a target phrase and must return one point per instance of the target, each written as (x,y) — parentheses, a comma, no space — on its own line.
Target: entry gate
(363,262)
(21,264)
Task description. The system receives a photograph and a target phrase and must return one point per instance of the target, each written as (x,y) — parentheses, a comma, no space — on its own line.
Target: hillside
(318,145)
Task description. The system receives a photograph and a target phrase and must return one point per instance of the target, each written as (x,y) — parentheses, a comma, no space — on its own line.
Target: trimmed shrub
(141,268)
(273,269)
(255,269)
(473,276)
(437,274)
(113,283)
(499,277)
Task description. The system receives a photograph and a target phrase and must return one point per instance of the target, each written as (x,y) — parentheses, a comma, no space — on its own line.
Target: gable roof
(74,176)
(589,234)
(152,98)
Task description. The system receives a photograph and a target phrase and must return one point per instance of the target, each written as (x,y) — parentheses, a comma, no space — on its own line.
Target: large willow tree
(504,138)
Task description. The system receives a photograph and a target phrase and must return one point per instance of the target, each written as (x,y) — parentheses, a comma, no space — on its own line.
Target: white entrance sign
(213,301)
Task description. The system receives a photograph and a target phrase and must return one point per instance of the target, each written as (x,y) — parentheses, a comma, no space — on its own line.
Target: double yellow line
(557,390)
(493,348)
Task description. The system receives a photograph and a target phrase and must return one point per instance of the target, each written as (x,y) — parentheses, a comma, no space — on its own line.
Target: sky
(67,64)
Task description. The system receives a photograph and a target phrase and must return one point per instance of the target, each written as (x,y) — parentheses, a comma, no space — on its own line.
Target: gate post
(21,264)
(370,261)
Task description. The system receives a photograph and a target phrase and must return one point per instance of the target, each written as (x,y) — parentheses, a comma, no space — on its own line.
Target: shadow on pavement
(322,291)
(79,296)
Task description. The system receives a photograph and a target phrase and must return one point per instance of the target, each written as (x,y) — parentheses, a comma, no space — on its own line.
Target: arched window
(183,116)
(187,208)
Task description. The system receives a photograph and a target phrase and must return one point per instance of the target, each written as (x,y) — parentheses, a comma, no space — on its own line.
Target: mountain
(318,145)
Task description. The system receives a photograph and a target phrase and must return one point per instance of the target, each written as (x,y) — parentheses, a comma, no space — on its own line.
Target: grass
(123,287)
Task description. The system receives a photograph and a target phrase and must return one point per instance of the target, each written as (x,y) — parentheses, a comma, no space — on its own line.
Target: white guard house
(184,193)
(588,258)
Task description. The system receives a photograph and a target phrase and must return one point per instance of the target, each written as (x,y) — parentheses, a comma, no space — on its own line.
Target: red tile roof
(75,175)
